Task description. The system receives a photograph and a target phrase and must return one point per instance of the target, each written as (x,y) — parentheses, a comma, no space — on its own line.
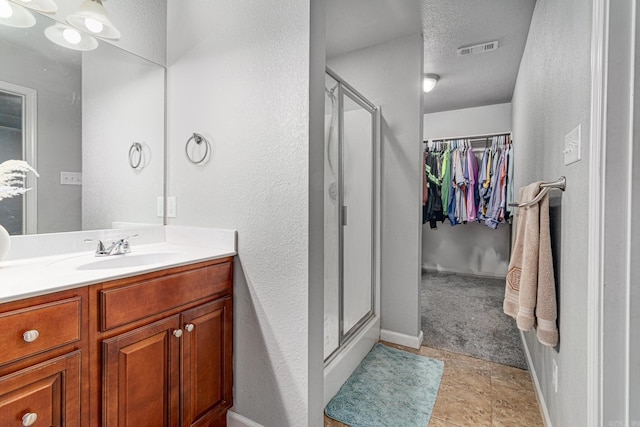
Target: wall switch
(554,379)
(572,143)
(171,207)
(70,178)
(160,207)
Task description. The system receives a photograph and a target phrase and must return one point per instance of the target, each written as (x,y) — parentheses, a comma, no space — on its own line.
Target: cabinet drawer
(127,304)
(57,323)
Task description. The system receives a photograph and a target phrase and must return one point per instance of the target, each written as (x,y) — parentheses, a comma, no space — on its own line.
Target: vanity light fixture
(429,82)
(92,17)
(47,6)
(14,15)
(69,37)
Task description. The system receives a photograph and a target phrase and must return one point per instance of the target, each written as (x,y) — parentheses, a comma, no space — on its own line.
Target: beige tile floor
(475,392)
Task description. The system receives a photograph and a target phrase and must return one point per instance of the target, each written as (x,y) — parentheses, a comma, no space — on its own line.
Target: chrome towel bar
(559,184)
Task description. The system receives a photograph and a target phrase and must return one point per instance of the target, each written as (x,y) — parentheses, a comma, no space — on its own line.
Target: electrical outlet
(171,207)
(160,206)
(70,178)
(555,376)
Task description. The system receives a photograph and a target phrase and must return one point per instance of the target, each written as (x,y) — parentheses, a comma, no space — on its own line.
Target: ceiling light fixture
(14,15)
(429,82)
(92,17)
(68,37)
(47,6)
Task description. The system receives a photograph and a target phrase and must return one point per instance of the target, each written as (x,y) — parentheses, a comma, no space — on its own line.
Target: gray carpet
(464,314)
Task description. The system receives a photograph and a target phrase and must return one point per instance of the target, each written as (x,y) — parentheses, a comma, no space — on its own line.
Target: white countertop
(27,277)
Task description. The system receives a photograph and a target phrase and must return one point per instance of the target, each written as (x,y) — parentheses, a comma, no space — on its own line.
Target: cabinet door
(140,376)
(46,394)
(207,363)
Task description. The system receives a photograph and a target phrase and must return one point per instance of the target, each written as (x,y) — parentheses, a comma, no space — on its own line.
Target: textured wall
(471,248)
(552,96)
(123,103)
(389,75)
(245,86)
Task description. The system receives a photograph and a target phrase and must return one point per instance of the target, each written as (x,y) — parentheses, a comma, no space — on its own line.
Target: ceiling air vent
(478,48)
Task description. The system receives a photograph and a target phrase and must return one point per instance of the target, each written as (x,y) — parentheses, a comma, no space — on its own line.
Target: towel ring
(198,139)
(135,155)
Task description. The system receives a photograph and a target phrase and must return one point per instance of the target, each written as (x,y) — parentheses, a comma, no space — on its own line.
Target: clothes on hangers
(469,189)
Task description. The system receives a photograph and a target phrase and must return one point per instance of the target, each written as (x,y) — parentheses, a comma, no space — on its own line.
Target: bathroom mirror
(75,116)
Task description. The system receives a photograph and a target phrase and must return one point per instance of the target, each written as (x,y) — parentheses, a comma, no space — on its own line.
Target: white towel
(530,292)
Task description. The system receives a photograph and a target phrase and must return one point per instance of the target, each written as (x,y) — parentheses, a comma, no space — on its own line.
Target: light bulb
(429,82)
(72,36)
(6,11)
(93,25)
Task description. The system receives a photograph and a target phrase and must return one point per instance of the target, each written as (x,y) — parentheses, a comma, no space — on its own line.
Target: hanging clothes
(469,189)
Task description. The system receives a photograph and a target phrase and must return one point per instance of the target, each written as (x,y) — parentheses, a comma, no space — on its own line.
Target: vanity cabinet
(44,361)
(164,347)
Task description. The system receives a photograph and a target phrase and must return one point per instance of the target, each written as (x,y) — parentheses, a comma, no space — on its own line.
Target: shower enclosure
(351,219)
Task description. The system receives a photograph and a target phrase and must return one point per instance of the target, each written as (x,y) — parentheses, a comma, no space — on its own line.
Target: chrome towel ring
(135,156)
(198,140)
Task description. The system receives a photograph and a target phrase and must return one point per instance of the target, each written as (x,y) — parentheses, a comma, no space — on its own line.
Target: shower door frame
(346,337)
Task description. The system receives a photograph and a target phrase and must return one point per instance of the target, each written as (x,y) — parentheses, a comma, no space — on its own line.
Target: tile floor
(475,392)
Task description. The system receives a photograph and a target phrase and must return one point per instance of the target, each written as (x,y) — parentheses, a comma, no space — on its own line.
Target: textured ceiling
(473,80)
(468,81)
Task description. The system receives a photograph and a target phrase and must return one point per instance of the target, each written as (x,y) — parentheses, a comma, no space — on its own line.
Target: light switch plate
(71,178)
(171,207)
(160,206)
(572,145)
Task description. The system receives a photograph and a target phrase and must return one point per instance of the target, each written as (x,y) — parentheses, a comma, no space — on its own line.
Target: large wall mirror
(91,123)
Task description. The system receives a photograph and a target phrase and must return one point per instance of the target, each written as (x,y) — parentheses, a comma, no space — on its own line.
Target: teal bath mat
(390,388)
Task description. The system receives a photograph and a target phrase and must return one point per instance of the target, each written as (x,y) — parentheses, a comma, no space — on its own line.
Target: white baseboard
(532,372)
(464,272)
(236,420)
(402,339)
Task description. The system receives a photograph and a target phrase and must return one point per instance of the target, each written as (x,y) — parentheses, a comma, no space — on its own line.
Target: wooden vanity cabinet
(44,361)
(164,348)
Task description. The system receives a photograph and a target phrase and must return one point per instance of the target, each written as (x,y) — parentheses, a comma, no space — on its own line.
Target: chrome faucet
(119,247)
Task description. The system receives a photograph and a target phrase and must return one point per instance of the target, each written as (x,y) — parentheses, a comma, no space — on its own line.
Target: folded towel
(530,292)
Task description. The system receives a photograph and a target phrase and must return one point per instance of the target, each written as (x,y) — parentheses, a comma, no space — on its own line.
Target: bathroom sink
(128,261)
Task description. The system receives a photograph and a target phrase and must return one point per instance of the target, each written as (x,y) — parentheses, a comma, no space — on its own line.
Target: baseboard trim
(534,377)
(402,339)
(463,272)
(236,420)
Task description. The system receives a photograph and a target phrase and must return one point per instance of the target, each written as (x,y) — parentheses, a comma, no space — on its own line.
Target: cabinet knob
(29,419)
(189,327)
(177,333)
(30,336)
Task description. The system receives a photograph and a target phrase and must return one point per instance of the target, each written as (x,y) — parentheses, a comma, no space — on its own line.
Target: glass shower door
(348,214)
(357,212)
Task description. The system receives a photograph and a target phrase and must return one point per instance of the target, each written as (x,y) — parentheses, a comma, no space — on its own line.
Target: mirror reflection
(74,116)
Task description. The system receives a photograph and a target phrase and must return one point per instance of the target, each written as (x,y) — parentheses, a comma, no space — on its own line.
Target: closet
(466,182)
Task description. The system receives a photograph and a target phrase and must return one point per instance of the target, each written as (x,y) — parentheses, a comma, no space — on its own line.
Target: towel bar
(559,184)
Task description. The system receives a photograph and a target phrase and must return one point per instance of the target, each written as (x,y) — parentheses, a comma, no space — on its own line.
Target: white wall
(245,85)
(552,96)
(123,103)
(389,75)
(470,248)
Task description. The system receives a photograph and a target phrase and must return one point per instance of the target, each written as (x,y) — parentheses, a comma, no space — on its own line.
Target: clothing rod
(471,137)
(559,184)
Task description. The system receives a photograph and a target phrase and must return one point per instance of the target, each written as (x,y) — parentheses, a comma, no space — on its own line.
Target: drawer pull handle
(177,333)
(189,327)
(30,336)
(29,419)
